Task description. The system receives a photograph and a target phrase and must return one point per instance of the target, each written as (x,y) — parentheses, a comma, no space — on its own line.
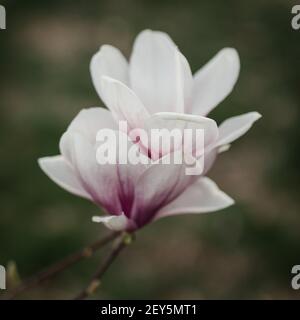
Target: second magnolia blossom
(135,194)
(155,90)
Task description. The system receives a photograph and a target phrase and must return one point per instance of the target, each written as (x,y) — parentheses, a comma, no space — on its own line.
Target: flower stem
(60,266)
(95,281)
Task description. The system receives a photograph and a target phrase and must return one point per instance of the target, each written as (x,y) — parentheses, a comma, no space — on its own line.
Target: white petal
(159,75)
(108,61)
(214,81)
(87,123)
(232,128)
(202,196)
(62,173)
(187,81)
(123,103)
(172,120)
(115,223)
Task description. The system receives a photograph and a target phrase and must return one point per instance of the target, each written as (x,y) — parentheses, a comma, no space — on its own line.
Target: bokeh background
(246,251)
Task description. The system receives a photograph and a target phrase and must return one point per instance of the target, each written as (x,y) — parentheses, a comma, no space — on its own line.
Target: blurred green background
(246,251)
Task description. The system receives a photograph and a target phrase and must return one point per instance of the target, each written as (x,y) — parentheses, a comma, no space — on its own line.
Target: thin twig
(62,265)
(96,279)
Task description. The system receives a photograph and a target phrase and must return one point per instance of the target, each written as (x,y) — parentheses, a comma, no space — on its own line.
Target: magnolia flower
(156,89)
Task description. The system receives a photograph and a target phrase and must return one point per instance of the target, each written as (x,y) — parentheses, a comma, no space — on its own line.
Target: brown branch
(96,279)
(62,265)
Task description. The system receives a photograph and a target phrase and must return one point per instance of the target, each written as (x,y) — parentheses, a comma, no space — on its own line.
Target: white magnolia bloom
(154,89)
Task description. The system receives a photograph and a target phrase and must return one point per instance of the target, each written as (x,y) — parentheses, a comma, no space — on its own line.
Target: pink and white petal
(130,172)
(101,181)
(157,186)
(201,197)
(108,61)
(110,184)
(158,74)
(61,172)
(215,80)
(181,122)
(233,128)
(115,223)
(123,103)
(87,123)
